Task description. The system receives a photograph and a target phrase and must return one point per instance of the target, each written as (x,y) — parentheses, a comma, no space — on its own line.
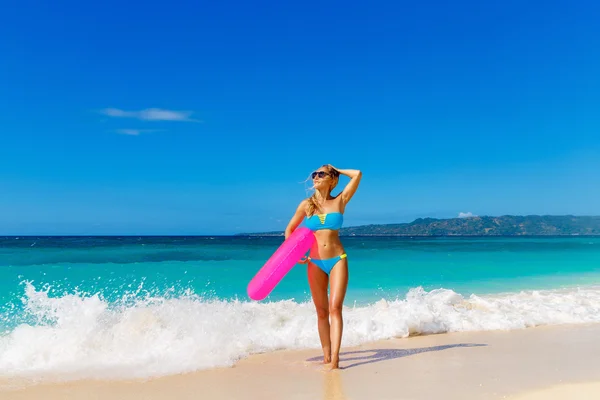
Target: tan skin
(328,245)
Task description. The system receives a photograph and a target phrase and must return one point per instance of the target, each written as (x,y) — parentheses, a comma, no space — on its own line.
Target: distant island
(506,225)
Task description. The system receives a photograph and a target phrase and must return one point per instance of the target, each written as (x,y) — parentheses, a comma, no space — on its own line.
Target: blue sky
(204,118)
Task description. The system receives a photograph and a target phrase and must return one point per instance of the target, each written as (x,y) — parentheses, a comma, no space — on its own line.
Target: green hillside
(506,225)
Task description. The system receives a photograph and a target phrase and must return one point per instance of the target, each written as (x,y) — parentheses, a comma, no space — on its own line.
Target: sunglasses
(320,174)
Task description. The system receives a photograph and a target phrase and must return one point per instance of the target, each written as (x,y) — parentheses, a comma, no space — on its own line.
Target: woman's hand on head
(355,176)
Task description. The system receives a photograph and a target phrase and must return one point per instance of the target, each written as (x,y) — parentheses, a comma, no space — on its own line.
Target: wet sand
(559,362)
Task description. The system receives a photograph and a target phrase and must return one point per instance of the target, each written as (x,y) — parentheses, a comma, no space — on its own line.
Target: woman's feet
(330,363)
(335,363)
(326,354)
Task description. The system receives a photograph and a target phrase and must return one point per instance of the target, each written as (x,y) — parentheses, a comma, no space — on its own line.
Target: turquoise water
(221,267)
(150,306)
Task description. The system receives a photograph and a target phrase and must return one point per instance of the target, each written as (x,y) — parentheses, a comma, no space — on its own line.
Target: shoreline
(421,236)
(460,365)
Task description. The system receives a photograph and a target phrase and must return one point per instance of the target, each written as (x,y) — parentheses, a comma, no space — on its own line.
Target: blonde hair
(313,204)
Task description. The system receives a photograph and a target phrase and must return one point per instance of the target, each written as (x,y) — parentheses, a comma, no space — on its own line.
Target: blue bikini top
(317,222)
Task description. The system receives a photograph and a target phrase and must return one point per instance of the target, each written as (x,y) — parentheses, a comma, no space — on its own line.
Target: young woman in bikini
(327,262)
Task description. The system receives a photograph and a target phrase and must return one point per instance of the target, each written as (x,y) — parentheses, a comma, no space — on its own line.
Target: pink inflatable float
(280,263)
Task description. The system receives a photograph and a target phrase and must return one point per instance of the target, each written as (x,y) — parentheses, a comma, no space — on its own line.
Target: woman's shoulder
(304,204)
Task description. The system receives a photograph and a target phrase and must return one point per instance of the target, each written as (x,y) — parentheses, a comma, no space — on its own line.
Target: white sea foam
(83,336)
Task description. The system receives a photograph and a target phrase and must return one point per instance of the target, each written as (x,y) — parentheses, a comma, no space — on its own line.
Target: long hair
(313,204)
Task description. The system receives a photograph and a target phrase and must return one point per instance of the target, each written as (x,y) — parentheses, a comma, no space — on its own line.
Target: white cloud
(134,132)
(151,114)
(466,214)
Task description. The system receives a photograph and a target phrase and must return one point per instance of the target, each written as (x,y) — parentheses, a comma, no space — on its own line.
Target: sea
(144,307)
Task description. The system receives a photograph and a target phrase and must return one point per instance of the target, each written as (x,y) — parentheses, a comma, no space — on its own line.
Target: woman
(327,262)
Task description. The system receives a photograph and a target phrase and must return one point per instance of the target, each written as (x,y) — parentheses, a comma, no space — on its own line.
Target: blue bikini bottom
(326,264)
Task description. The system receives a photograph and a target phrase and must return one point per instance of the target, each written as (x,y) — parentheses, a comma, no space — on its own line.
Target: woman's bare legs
(339,282)
(318,281)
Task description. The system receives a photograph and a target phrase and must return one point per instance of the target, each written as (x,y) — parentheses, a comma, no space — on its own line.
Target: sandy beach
(558,362)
